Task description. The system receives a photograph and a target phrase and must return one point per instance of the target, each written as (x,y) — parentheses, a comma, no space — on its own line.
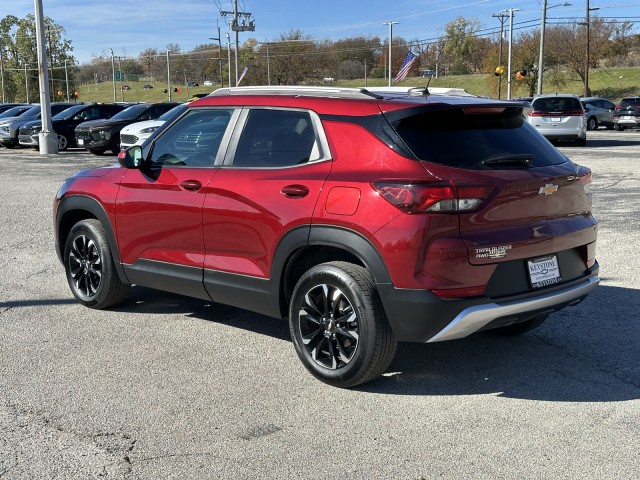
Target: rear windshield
(556,104)
(629,102)
(476,141)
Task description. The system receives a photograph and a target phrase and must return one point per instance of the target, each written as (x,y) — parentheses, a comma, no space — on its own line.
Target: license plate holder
(544,271)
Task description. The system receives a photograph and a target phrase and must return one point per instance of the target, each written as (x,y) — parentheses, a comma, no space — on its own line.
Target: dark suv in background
(65,123)
(9,127)
(364,217)
(97,136)
(627,113)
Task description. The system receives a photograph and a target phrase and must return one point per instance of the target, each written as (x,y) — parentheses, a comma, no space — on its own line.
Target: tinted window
(275,138)
(476,141)
(69,112)
(130,113)
(14,112)
(556,104)
(192,141)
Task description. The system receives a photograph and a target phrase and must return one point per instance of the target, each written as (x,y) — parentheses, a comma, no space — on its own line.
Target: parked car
(98,136)
(65,123)
(559,117)
(137,133)
(9,126)
(598,112)
(125,88)
(192,84)
(208,83)
(6,106)
(627,113)
(15,111)
(147,86)
(364,218)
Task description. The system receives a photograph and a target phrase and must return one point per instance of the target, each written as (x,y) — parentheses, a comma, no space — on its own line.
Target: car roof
(342,101)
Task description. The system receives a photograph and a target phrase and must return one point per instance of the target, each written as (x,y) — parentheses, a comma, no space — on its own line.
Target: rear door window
(274,138)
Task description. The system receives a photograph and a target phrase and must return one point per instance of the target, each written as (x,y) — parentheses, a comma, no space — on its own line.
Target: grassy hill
(612,83)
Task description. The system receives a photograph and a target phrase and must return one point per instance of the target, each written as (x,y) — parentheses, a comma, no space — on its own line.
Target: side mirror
(131,157)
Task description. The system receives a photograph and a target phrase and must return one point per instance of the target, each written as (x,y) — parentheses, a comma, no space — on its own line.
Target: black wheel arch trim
(84,203)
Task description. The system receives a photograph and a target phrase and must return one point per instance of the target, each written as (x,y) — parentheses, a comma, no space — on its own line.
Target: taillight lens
(432,197)
(584,175)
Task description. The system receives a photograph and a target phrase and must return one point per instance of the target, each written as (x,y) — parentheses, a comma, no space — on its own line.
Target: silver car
(559,117)
(598,112)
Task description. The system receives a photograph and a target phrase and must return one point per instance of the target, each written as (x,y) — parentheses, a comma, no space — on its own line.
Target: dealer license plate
(627,117)
(544,271)
(80,142)
(555,119)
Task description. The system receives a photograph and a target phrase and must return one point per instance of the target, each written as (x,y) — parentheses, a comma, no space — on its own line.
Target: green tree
(18,40)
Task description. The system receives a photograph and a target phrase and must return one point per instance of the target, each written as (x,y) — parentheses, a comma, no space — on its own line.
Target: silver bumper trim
(472,319)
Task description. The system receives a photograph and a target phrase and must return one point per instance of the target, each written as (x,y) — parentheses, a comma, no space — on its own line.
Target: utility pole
(245,24)
(502,17)
(113,75)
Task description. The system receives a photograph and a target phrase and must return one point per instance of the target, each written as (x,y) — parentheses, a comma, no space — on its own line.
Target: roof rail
(311,91)
(418,91)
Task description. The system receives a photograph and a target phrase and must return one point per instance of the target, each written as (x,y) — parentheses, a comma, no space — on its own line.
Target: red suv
(364,217)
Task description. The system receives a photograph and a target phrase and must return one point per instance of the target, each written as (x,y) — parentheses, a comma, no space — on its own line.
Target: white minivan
(559,117)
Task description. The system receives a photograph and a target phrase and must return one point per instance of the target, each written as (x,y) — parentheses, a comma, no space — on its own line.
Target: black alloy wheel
(89,267)
(338,326)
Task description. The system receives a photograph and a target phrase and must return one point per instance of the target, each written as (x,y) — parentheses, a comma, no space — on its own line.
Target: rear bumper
(420,316)
(472,319)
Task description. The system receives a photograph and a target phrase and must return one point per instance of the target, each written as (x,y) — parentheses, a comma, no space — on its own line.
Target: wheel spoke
(85,265)
(328,326)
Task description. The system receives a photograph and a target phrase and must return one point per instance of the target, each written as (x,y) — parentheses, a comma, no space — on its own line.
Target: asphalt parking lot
(170,387)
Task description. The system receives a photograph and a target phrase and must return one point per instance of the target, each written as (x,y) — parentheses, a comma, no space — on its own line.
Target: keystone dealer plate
(544,271)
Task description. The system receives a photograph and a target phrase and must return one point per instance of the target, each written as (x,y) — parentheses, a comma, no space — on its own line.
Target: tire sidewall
(93,230)
(334,276)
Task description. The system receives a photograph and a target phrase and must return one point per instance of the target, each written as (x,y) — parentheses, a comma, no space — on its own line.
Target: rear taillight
(584,175)
(432,197)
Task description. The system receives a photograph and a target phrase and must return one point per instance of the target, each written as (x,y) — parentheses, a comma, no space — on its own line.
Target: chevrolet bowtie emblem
(548,189)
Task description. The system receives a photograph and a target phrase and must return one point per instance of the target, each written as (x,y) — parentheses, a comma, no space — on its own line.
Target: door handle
(295,191)
(191,185)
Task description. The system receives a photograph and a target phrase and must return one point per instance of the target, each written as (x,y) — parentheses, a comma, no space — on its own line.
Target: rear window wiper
(513,160)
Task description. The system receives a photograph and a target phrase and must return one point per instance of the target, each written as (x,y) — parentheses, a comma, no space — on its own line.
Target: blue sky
(129,27)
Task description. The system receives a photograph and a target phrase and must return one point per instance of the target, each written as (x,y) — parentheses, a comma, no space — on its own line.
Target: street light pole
(391,24)
(511,10)
(229,55)
(542,29)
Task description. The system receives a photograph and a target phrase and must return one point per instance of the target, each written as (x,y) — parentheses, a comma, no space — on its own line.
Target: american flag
(406,65)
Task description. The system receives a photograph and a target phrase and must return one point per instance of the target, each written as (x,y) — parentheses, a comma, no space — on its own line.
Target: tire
(618,128)
(581,142)
(114,146)
(63,142)
(97,151)
(520,328)
(90,268)
(592,123)
(338,327)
